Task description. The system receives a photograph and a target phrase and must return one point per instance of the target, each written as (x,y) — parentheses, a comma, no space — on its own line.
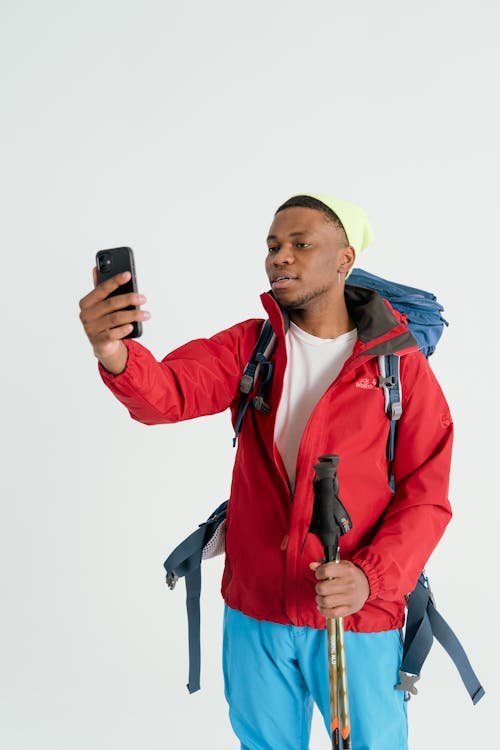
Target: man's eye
(272,249)
(303,244)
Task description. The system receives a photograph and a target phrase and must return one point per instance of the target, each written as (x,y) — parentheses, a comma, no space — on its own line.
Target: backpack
(423,622)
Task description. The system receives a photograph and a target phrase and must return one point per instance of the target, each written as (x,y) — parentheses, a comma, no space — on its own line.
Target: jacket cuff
(370,571)
(107,376)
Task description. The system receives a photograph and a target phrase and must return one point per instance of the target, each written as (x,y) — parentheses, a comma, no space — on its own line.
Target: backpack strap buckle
(407,683)
(386,381)
(261,405)
(171,579)
(246,383)
(396,410)
(427,585)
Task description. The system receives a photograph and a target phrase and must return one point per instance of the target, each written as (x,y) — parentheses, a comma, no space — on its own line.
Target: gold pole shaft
(342,686)
(331,625)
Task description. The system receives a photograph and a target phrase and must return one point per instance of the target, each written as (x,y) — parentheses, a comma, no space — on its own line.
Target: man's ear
(346,258)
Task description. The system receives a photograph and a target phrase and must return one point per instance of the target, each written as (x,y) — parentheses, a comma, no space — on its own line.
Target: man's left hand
(342,588)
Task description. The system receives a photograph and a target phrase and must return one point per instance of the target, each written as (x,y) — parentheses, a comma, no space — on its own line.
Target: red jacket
(268,547)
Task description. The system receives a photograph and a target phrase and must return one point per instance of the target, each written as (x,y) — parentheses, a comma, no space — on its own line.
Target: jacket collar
(381,329)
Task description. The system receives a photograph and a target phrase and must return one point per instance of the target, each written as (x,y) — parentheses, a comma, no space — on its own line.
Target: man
(324,398)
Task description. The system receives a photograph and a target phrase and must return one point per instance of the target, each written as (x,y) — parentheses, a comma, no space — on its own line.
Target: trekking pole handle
(323,520)
(329,518)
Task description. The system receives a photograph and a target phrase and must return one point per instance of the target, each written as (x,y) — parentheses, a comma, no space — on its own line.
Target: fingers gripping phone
(117,260)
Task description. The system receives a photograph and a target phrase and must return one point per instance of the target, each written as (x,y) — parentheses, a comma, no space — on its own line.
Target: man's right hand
(106,322)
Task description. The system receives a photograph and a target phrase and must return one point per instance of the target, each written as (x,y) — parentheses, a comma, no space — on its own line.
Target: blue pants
(273,675)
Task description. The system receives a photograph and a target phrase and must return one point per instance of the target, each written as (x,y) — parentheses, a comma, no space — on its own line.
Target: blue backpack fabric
(423,621)
(423,311)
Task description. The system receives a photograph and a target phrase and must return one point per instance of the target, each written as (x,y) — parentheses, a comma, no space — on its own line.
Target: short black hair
(307,201)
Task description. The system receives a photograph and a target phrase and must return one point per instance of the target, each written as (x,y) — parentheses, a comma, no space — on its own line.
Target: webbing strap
(185,561)
(244,404)
(251,371)
(394,407)
(259,359)
(423,623)
(193,591)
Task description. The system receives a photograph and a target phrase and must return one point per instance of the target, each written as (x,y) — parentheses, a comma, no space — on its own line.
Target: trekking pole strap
(423,623)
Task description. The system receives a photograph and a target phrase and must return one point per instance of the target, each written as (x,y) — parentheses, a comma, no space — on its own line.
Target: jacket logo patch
(367,383)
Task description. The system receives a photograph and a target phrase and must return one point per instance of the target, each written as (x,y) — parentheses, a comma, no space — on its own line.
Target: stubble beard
(305,299)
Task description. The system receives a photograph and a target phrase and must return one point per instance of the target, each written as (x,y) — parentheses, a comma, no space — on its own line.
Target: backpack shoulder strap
(263,347)
(258,366)
(423,623)
(390,381)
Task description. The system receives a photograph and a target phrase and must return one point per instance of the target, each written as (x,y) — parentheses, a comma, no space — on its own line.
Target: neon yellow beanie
(354,220)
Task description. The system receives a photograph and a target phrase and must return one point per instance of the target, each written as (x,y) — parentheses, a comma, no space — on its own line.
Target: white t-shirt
(313,363)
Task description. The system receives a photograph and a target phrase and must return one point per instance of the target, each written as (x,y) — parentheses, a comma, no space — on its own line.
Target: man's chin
(298,301)
(285,299)
(293,304)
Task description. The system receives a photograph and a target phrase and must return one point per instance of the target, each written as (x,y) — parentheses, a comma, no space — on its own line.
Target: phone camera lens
(105,263)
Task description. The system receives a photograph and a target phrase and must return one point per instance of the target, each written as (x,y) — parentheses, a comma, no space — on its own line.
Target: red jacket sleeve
(419,510)
(202,377)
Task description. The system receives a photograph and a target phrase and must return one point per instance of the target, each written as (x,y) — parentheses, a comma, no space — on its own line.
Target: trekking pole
(329,521)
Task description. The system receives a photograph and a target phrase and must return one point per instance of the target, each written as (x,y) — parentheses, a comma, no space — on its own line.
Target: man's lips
(281,281)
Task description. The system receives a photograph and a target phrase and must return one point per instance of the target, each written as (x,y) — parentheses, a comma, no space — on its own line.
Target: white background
(178,128)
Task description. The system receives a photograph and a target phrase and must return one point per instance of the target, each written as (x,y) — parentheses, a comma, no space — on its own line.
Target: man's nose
(283,255)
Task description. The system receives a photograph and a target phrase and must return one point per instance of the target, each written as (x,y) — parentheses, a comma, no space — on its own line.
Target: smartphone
(113,261)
